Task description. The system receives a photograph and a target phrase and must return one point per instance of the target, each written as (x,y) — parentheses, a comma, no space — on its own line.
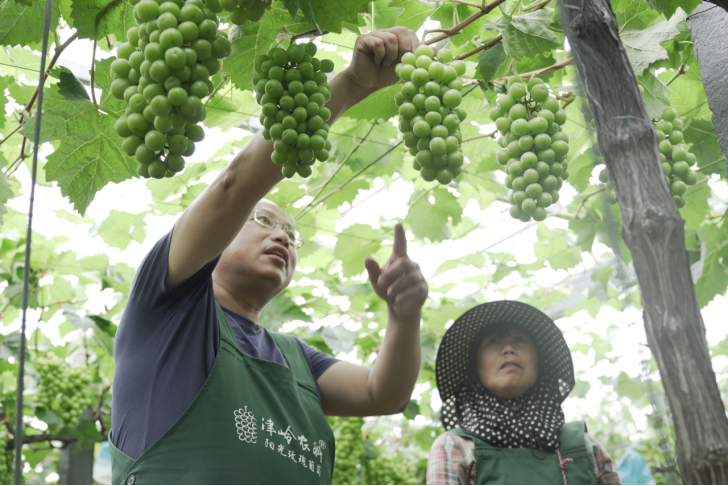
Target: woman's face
(507,363)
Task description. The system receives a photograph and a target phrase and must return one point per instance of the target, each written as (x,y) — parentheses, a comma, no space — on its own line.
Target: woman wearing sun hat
(503,370)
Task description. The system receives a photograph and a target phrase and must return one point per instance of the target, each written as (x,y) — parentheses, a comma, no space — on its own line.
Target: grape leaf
(669,7)
(378,105)
(415,13)
(249,41)
(288,23)
(714,280)
(90,155)
(429,220)
(70,87)
(641,40)
(696,206)
(384,15)
(24,25)
(654,94)
(231,109)
(94,19)
(279,310)
(353,245)
(553,246)
(701,134)
(450,14)
(16,61)
(120,228)
(330,15)
(490,61)
(527,35)
(103,80)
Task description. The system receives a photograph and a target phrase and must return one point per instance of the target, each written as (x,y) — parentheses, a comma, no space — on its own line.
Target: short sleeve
(318,360)
(148,290)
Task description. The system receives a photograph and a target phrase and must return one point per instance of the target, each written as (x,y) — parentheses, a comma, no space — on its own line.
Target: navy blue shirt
(166,345)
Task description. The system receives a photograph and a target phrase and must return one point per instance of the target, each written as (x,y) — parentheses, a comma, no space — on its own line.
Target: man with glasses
(204,394)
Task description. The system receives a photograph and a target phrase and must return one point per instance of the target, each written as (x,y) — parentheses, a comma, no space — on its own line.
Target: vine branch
(455,29)
(306,209)
(56,54)
(93,70)
(681,70)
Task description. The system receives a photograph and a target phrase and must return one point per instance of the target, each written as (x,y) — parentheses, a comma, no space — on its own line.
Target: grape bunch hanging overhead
(291,86)
(163,73)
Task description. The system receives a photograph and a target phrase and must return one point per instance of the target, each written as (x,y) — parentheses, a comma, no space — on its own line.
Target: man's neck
(245,306)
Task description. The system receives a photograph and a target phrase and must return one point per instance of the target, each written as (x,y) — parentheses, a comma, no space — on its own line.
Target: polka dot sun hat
(451,369)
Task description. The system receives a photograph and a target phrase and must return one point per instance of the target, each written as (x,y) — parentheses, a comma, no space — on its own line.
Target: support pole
(654,232)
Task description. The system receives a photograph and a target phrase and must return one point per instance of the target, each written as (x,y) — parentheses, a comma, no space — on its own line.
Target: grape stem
(545,70)
(59,50)
(469,4)
(680,71)
(467,22)
(457,28)
(307,208)
(485,46)
(93,70)
(10,134)
(584,199)
(482,135)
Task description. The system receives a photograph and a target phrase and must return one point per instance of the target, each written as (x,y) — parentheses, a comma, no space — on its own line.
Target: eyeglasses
(264,218)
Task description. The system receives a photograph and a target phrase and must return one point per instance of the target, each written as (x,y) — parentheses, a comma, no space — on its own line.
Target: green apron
(253,422)
(497,465)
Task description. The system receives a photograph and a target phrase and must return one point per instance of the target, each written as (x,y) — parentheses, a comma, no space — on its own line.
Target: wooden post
(654,232)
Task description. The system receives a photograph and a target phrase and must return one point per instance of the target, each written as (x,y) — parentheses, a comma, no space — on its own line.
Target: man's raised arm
(213,220)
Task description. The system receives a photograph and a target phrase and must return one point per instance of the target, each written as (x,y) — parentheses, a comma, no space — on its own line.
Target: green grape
(528,117)
(291,88)
(430,115)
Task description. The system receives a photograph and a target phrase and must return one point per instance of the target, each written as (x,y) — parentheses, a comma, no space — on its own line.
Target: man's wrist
(355,93)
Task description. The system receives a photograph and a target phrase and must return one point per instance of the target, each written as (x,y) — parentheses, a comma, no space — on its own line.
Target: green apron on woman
(571,465)
(253,422)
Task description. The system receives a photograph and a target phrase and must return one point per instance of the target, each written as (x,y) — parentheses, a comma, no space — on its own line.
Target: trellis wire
(18,475)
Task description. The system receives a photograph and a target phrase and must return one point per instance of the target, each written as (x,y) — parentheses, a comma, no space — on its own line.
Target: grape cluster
(244,11)
(7,459)
(676,160)
(292,87)
(389,470)
(534,147)
(163,73)
(430,114)
(349,449)
(63,389)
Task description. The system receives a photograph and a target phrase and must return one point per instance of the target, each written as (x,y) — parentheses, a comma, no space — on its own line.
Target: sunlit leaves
(94,19)
(714,280)
(353,245)
(528,35)
(330,15)
(249,41)
(654,94)
(430,211)
(490,61)
(22,24)
(414,14)
(553,246)
(642,40)
(378,105)
(121,228)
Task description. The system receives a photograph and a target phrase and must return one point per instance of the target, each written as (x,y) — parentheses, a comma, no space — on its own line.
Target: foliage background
(94,221)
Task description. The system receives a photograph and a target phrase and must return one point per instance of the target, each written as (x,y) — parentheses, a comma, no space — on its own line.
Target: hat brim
(451,367)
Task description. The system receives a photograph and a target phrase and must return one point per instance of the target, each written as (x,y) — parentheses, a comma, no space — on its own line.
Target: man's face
(267,255)
(507,363)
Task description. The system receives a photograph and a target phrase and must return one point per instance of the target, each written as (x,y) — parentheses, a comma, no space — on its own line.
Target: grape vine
(64,390)
(292,87)
(429,112)
(163,73)
(534,147)
(357,460)
(7,458)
